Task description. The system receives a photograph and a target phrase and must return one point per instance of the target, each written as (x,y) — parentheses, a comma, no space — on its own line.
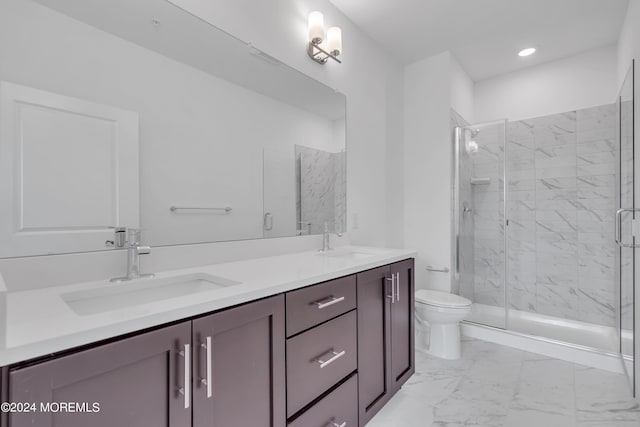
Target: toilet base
(444,341)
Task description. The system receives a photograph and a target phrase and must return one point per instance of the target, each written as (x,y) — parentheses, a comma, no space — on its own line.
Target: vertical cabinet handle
(398,287)
(186,389)
(393,288)
(207,380)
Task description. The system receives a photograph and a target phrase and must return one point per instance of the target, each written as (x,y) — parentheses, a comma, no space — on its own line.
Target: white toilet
(443,312)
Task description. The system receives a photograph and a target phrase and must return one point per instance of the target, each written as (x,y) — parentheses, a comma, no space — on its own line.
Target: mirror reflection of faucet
(134,250)
(466,209)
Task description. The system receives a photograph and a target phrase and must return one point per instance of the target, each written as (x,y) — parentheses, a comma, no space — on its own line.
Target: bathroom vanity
(303,339)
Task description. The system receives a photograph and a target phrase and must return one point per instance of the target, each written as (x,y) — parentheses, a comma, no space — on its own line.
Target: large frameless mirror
(138,114)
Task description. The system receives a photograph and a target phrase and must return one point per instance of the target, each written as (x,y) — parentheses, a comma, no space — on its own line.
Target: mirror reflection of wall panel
(321,188)
(68,172)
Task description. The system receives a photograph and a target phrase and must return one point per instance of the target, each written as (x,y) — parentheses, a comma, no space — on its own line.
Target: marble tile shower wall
(488,216)
(561,200)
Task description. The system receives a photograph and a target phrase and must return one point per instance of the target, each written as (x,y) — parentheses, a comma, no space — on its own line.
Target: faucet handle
(133,236)
(119,238)
(143,250)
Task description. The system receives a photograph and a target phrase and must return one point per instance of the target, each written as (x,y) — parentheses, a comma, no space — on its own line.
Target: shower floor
(569,331)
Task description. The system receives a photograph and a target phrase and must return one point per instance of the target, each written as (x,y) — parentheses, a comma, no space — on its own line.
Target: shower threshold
(590,335)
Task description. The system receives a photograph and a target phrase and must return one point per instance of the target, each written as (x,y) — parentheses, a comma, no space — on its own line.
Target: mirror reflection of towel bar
(227,209)
(438,270)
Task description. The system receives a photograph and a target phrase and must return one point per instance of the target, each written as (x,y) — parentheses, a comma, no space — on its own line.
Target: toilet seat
(441,299)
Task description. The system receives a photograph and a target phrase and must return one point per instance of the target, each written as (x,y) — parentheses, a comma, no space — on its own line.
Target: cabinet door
(402,324)
(4,394)
(135,381)
(374,376)
(239,380)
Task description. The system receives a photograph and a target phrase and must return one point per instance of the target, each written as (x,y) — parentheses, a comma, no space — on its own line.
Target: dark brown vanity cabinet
(402,324)
(385,334)
(239,366)
(346,347)
(220,370)
(137,382)
(322,353)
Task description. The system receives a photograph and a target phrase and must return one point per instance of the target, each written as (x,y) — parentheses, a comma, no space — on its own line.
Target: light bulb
(316,27)
(334,40)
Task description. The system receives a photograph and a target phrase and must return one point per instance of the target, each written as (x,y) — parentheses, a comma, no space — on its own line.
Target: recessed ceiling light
(527,52)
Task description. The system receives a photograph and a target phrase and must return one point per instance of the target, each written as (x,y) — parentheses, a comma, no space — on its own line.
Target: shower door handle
(618,227)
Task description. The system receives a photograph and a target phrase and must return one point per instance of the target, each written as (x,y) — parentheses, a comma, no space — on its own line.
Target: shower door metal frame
(633,210)
(455,238)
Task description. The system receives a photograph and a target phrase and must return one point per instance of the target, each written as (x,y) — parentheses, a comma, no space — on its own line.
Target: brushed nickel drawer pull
(186,390)
(336,356)
(331,300)
(207,381)
(393,288)
(335,424)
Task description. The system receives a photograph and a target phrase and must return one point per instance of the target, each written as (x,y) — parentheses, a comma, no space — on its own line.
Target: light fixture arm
(320,55)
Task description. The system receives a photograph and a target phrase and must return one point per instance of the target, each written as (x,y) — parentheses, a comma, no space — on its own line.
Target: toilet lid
(441,299)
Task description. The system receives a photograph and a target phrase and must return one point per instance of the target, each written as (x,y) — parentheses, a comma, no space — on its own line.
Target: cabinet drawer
(315,304)
(320,358)
(340,407)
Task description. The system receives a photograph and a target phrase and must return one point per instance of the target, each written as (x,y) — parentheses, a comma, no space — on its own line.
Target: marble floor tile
(497,386)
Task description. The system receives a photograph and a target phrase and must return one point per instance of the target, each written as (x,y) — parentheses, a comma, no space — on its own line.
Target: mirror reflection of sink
(351,253)
(142,291)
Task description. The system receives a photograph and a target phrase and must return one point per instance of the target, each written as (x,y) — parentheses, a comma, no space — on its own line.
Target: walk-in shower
(534,219)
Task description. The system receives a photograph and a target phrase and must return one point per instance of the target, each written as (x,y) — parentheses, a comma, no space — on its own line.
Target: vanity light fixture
(319,49)
(527,52)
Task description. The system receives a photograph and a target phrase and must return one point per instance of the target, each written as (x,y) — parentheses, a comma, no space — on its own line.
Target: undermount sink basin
(141,291)
(350,254)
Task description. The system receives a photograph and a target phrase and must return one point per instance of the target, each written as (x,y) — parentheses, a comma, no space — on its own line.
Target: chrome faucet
(134,250)
(326,234)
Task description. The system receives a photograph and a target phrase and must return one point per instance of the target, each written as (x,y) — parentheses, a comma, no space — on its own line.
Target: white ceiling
(486,35)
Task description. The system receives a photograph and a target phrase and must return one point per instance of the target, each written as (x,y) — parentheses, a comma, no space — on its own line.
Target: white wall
(462,91)
(581,81)
(427,179)
(629,49)
(373,83)
(629,41)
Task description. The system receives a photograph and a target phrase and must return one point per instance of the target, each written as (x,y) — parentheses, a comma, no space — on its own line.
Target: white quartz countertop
(39,322)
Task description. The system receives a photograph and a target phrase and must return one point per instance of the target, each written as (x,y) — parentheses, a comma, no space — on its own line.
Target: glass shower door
(479,215)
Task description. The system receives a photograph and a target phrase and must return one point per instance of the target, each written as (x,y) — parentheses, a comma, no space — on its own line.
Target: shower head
(474,132)
(471,146)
